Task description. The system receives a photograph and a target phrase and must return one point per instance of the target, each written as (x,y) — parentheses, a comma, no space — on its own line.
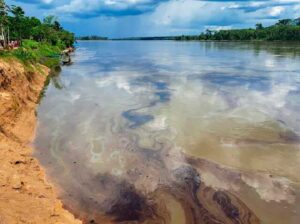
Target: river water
(175,132)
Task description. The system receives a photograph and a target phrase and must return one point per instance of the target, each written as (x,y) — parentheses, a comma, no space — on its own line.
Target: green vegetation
(33,52)
(148,38)
(38,41)
(284,30)
(93,37)
(40,52)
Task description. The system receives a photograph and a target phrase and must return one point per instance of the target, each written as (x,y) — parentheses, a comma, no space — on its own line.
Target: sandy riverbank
(25,194)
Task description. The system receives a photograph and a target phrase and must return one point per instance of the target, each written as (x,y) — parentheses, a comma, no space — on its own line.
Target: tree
(284,22)
(17,11)
(22,27)
(57,26)
(49,20)
(259,26)
(18,21)
(3,21)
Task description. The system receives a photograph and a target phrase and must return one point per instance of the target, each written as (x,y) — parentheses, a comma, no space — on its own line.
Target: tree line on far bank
(92,37)
(15,25)
(283,30)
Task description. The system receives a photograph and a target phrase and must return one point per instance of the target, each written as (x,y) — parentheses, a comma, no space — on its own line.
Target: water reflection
(176,132)
(259,83)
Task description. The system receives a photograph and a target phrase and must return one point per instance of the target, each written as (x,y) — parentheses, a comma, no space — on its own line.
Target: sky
(131,18)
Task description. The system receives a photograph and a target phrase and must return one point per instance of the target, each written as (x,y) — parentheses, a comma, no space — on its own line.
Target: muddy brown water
(175,132)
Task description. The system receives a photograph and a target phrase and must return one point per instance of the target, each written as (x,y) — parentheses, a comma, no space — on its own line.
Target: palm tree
(19,14)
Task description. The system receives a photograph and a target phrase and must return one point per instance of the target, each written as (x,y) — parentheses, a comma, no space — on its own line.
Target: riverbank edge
(25,194)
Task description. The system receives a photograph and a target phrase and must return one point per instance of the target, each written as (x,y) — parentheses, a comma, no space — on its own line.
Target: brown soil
(25,194)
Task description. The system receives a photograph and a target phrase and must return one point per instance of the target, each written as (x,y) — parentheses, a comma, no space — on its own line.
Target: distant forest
(93,37)
(283,30)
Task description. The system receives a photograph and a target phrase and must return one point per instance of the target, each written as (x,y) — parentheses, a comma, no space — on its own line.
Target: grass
(32,52)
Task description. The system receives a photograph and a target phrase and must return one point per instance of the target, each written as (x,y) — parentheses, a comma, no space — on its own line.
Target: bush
(33,52)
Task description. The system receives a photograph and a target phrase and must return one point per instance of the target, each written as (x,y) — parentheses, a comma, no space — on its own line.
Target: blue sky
(124,18)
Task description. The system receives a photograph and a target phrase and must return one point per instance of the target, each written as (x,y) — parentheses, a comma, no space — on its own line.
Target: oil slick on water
(175,132)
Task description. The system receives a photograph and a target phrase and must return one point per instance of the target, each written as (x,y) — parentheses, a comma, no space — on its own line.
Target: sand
(25,194)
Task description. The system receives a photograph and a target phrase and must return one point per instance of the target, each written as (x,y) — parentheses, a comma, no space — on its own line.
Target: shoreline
(26,195)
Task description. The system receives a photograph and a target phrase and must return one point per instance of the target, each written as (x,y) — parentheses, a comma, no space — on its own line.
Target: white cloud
(96,8)
(178,12)
(48,1)
(297,7)
(189,13)
(121,18)
(217,28)
(276,11)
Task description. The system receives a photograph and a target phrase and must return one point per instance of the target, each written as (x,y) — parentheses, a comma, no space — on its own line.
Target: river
(175,132)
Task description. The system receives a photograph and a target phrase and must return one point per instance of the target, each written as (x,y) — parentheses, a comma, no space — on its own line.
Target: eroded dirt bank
(25,194)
